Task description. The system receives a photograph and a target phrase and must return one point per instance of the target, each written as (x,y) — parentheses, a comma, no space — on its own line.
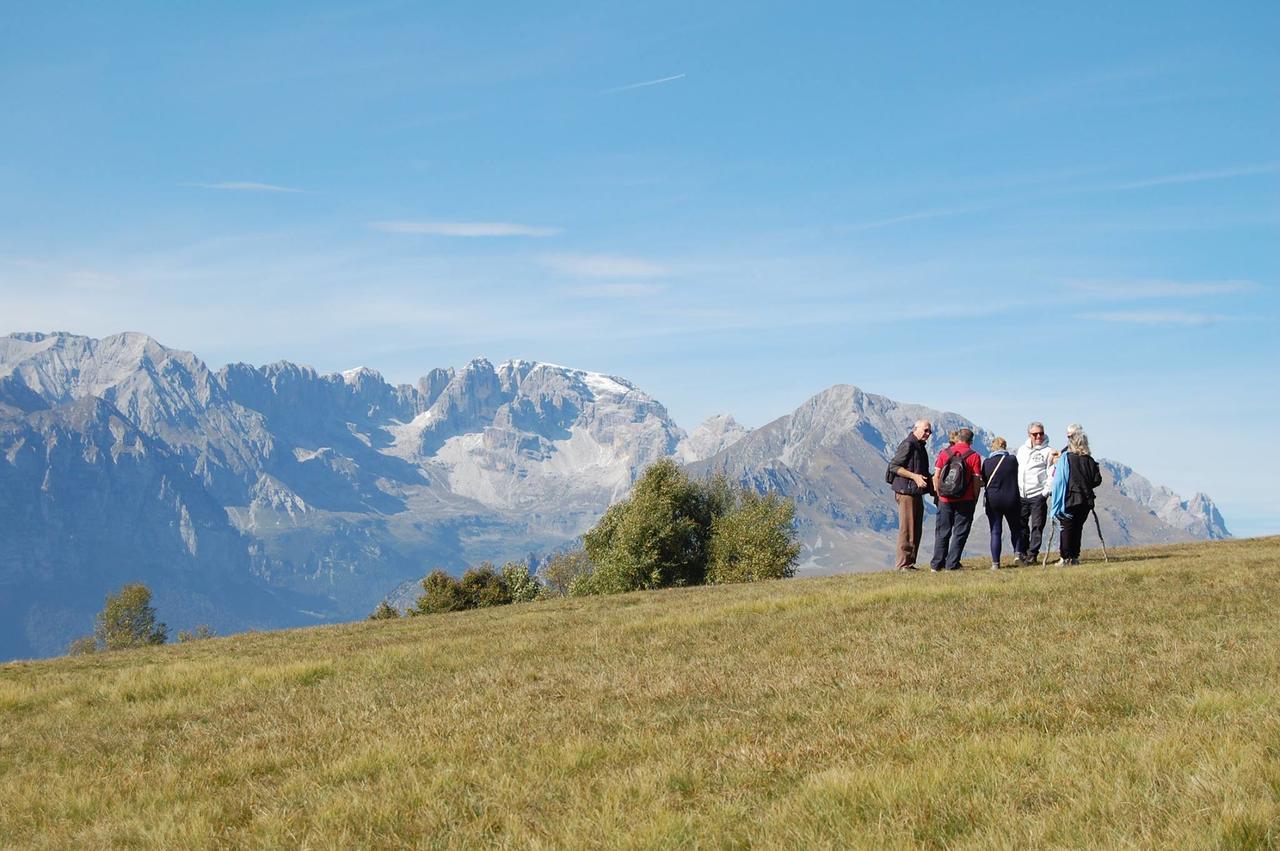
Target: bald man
(911,483)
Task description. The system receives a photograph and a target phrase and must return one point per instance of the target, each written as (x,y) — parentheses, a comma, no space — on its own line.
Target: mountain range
(272,496)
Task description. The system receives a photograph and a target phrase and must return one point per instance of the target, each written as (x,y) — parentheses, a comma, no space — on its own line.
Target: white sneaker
(995,565)
(1062,562)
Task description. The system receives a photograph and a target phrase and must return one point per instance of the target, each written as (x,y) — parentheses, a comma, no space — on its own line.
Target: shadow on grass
(1125,557)
(1085,562)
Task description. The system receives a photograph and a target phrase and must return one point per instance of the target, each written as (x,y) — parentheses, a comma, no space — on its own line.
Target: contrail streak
(642,85)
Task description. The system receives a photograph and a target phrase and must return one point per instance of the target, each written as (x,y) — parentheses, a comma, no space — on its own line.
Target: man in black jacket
(911,482)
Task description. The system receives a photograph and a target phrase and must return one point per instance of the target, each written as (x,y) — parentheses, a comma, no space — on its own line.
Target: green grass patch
(1133,704)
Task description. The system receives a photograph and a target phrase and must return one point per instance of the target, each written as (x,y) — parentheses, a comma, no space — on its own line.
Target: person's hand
(920,480)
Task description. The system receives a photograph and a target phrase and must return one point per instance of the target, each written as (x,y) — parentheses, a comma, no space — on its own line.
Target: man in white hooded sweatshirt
(1034,458)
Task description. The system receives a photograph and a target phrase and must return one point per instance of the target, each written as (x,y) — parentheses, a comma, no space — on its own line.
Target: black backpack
(955,475)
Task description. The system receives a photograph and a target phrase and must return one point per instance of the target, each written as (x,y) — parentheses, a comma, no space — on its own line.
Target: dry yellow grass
(1129,705)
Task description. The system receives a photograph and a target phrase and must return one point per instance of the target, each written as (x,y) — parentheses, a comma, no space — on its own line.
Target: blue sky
(1005,211)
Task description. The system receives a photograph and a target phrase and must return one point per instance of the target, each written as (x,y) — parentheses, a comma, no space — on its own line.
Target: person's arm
(920,480)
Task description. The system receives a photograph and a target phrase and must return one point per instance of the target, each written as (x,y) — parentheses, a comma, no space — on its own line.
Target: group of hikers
(1022,490)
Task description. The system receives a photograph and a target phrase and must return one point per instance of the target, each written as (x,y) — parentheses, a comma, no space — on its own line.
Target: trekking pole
(1097,525)
(1048,542)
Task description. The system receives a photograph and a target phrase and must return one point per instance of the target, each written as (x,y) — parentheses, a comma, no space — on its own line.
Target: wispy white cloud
(603,266)
(1132,290)
(632,290)
(1161,180)
(1155,317)
(244,186)
(466,229)
(1200,176)
(656,82)
(911,217)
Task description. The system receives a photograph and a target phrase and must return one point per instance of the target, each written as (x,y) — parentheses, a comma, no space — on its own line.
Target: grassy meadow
(1135,704)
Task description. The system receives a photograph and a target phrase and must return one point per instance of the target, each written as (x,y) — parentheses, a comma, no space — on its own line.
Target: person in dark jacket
(1003,504)
(1083,475)
(911,483)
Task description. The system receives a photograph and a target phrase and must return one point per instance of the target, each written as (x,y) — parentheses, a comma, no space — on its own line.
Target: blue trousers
(955,519)
(1012,516)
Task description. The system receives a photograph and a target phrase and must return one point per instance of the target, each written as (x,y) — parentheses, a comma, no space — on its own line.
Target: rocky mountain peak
(1197,516)
(362,375)
(714,434)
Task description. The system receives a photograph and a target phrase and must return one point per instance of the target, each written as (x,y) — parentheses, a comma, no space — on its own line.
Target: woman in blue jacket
(1075,477)
(1004,505)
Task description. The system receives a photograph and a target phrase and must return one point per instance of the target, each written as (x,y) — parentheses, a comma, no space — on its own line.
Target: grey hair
(1034,424)
(1078,441)
(1074,428)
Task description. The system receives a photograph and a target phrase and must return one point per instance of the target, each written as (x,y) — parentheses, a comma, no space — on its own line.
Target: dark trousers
(955,519)
(1034,513)
(910,524)
(1072,530)
(1010,515)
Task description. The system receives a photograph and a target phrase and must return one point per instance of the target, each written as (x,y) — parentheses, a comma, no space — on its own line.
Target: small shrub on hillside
(384,611)
(522,585)
(480,587)
(483,586)
(441,593)
(565,571)
(128,620)
(754,540)
(200,633)
(82,646)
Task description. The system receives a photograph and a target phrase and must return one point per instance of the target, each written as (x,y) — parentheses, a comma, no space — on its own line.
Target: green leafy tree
(521,584)
(655,538)
(483,586)
(567,572)
(441,593)
(384,611)
(128,620)
(754,540)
